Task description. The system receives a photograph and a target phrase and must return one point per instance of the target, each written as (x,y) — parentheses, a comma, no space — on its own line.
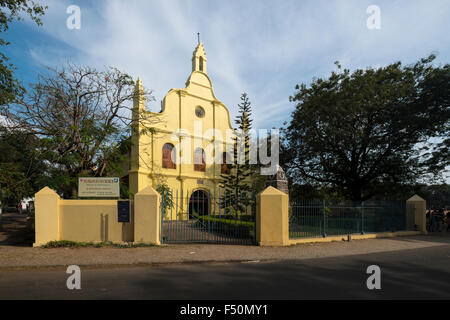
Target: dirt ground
(16,250)
(13,230)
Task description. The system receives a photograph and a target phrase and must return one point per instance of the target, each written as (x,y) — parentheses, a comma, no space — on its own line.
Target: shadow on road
(437,237)
(421,273)
(329,278)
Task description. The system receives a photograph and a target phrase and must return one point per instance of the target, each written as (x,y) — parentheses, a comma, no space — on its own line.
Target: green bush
(74,244)
(66,244)
(239,228)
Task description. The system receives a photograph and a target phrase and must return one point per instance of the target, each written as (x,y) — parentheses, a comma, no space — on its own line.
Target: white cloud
(261,47)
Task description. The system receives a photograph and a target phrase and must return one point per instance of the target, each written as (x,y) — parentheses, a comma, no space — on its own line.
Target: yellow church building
(157,158)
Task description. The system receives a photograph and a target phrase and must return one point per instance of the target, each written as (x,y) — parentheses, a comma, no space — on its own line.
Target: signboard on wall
(98,187)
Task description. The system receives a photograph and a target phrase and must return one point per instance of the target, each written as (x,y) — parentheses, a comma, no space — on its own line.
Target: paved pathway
(13,256)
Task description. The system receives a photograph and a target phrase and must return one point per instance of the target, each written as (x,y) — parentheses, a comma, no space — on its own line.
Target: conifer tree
(236,185)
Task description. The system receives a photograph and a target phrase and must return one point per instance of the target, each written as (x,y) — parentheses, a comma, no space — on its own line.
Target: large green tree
(11,10)
(435,91)
(361,131)
(236,185)
(83,118)
(22,169)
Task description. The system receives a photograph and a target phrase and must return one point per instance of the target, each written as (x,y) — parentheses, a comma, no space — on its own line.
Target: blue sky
(261,47)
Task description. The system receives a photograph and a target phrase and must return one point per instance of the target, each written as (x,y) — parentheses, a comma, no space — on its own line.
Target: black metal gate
(203,217)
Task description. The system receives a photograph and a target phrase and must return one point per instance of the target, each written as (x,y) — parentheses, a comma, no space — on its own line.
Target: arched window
(224,167)
(201,64)
(199,160)
(168,156)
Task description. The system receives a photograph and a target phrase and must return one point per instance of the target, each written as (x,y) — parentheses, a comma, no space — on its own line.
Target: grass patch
(66,244)
(227,227)
(75,244)
(215,219)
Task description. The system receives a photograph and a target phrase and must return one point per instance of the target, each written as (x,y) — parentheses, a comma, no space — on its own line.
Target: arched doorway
(198,204)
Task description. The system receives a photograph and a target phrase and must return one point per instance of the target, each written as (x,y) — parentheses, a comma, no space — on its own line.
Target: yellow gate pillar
(46,216)
(147,216)
(272,218)
(420,208)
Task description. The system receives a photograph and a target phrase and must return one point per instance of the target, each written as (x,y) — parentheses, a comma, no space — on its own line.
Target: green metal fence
(207,217)
(320,218)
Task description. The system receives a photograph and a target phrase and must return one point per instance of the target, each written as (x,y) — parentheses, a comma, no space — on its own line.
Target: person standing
(448,221)
(434,220)
(440,219)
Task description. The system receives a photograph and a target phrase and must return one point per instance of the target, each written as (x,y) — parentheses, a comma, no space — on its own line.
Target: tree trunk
(356,192)
(74,193)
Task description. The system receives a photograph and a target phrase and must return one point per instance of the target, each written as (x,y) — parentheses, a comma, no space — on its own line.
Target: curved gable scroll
(199,84)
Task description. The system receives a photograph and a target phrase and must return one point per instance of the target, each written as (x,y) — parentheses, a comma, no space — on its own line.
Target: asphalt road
(408,274)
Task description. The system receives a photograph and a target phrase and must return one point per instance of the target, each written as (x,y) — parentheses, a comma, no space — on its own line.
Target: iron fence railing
(320,218)
(204,216)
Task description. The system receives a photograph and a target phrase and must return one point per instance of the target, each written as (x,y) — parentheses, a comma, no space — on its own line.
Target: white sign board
(98,187)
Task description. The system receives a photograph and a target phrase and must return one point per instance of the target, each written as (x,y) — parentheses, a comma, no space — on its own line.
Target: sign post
(98,187)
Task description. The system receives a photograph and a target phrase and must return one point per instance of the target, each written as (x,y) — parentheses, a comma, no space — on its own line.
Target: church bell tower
(199,59)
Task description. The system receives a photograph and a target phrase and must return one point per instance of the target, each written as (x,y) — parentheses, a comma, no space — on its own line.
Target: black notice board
(123,211)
